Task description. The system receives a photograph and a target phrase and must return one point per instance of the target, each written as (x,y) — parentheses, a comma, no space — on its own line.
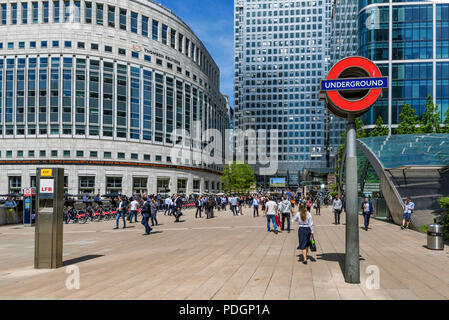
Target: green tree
(238,177)
(430,120)
(407,121)
(444,203)
(445,129)
(379,130)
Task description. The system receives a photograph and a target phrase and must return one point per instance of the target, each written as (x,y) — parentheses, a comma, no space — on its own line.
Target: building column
(152,185)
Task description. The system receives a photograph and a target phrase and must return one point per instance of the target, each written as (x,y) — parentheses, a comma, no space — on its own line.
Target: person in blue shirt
(409,207)
(86,200)
(256,207)
(10,204)
(367,211)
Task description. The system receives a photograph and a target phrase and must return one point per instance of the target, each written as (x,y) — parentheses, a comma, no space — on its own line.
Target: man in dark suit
(367,210)
(199,207)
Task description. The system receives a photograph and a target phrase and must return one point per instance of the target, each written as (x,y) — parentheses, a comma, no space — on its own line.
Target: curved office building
(97,87)
(409,41)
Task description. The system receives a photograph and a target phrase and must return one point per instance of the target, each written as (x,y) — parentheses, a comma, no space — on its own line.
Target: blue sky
(212,21)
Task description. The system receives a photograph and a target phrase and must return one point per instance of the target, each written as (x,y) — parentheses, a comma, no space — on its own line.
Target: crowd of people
(280,210)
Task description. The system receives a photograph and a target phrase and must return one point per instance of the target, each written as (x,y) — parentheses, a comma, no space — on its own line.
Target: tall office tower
(280,57)
(342,43)
(409,41)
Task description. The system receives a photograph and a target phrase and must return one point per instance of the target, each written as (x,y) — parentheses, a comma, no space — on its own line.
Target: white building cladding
(98,87)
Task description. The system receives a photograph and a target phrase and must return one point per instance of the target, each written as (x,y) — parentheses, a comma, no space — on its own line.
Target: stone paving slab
(227,257)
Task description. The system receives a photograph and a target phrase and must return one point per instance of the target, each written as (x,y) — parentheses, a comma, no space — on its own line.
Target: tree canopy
(430,120)
(238,177)
(379,130)
(407,121)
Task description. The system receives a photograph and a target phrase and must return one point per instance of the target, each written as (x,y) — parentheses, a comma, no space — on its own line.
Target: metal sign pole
(352,260)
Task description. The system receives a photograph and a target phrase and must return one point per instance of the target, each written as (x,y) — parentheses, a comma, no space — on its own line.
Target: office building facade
(281,53)
(409,41)
(98,87)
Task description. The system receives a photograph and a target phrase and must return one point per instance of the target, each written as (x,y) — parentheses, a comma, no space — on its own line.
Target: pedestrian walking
(134,206)
(153,212)
(367,210)
(167,204)
(210,208)
(121,212)
(255,207)
(318,206)
(199,207)
(286,210)
(309,204)
(409,207)
(270,213)
(233,201)
(305,230)
(336,207)
(146,211)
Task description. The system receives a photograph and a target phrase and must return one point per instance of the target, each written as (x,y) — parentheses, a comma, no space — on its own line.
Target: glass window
(134,22)
(135,54)
(113,184)
(155,30)
(99,8)
(43,44)
(45,13)
(122,51)
(15,184)
(42,153)
(144,26)
(123,19)
(81,45)
(55,44)
(56,9)
(93,154)
(77,13)
(140,185)
(80,153)
(54,153)
(107,155)
(88,12)
(108,48)
(87,184)
(164,34)
(13,13)
(32,44)
(111,16)
(66,153)
(24,13)
(121,155)
(67,44)
(94,46)
(66,11)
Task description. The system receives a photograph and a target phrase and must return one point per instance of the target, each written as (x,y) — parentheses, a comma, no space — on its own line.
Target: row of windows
(95,13)
(81,154)
(87,184)
(115,99)
(95,47)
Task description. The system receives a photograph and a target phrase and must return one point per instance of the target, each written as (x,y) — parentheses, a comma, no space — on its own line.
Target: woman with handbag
(305,230)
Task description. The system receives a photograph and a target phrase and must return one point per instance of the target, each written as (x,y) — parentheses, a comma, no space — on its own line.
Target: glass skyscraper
(409,41)
(281,54)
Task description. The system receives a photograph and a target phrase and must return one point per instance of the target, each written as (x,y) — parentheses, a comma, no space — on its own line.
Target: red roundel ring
(369,99)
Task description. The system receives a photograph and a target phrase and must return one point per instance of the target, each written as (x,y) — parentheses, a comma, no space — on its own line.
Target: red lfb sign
(340,105)
(27,192)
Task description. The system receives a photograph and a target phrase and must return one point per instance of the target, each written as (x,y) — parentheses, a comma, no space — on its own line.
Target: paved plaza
(227,257)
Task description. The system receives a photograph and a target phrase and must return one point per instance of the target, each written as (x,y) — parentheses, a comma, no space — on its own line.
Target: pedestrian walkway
(228,257)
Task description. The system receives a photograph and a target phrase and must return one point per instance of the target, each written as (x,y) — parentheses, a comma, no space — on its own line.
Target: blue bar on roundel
(354,84)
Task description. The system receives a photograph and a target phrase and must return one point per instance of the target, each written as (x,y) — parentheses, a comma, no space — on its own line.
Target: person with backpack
(286,210)
(146,215)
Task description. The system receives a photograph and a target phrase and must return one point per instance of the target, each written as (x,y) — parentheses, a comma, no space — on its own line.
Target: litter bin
(435,237)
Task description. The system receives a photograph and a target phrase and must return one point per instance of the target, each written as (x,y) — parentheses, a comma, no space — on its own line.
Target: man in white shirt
(134,206)
(286,210)
(270,213)
(167,204)
(409,207)
(233,202)
(336,207)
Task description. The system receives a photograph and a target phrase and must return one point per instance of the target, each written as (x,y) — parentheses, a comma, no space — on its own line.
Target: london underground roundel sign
(352,86)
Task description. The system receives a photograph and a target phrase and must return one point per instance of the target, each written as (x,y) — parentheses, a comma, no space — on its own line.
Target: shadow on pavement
(335,257)
(81,259)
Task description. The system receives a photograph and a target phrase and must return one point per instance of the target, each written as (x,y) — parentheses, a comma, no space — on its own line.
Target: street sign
(352,86)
